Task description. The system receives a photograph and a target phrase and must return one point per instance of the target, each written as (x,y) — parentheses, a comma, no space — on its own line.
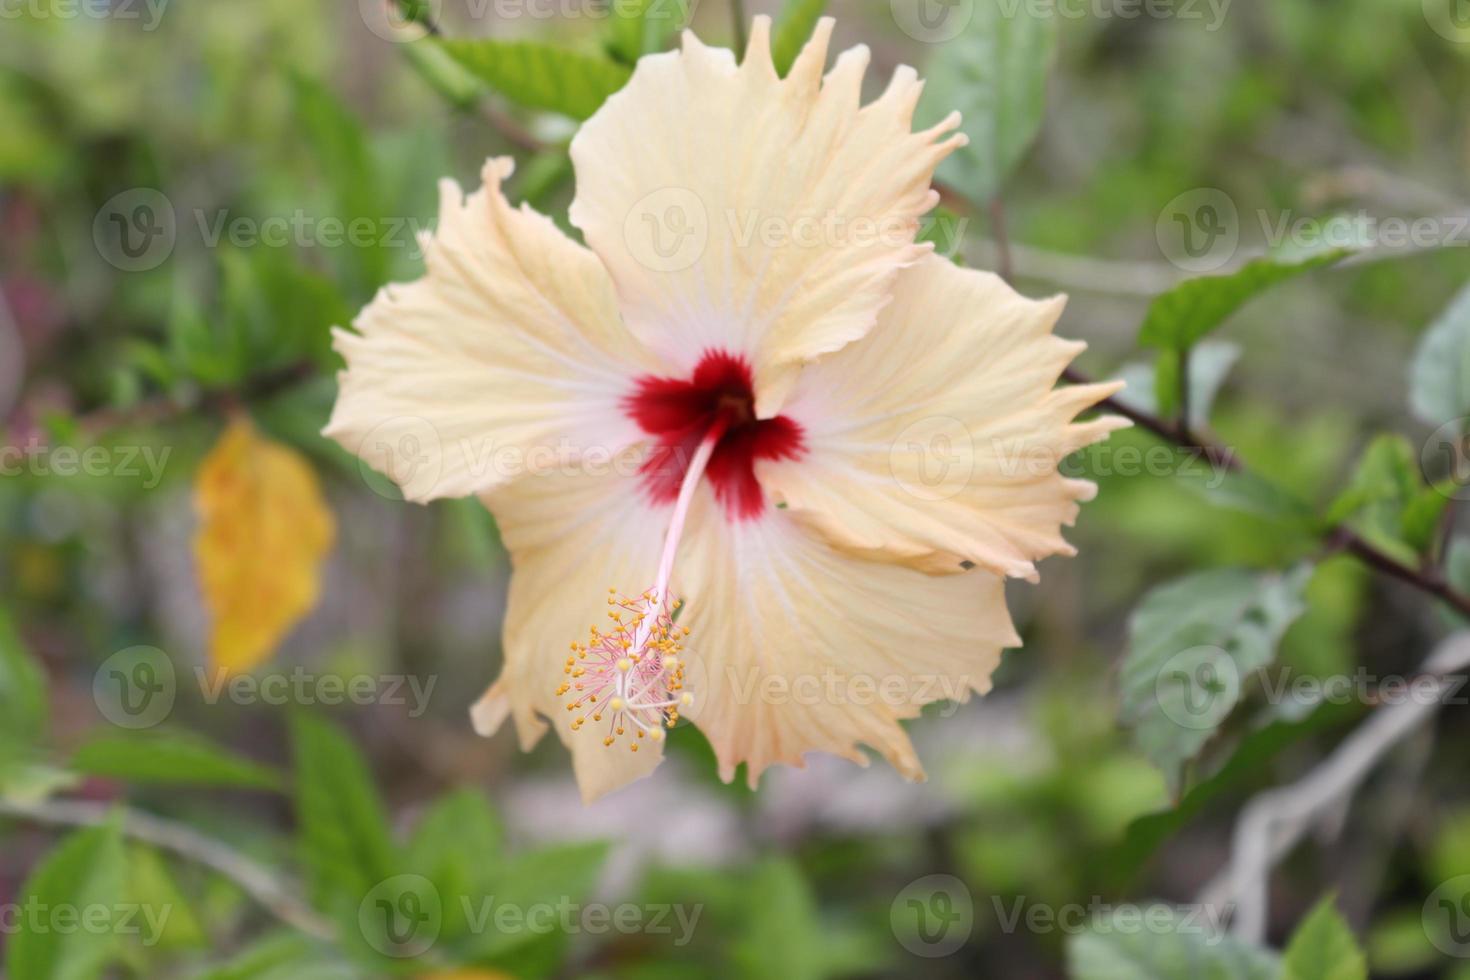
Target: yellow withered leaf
(264,531)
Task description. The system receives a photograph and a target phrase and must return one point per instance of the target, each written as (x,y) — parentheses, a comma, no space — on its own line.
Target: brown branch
(1339,538)
(163,409)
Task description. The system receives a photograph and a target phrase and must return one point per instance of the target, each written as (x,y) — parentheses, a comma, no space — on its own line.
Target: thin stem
(737,16)
(256,880)
(1005,262)
(1184,394)
(1340,537)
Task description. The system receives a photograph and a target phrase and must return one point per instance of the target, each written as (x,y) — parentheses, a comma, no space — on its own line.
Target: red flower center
(677,413)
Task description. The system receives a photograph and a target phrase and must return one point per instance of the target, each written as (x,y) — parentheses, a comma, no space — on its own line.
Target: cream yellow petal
(571,537)
(937,438)
(741,211)
(507,357)
(800,647)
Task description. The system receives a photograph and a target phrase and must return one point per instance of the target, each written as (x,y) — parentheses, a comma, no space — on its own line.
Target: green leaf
(343,832)
(1387,501)
(86,871)
(23,706)
(793,29)
(1387,472)
(640,26)
(1209,364)
(1192,644)
(171,757)
(1187,313)
(994,72)
(340,149)
(166,920)
(782,936)
(1162,943)
(1323,948)
(458,846)
(1439,374)
(539,75)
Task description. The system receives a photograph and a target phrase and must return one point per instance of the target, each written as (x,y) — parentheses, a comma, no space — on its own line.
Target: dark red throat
(678,412)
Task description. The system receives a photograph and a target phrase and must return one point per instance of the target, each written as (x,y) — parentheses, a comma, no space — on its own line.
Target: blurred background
(192,192)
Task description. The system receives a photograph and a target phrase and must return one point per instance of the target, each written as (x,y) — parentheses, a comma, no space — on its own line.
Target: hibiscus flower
(802,451)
